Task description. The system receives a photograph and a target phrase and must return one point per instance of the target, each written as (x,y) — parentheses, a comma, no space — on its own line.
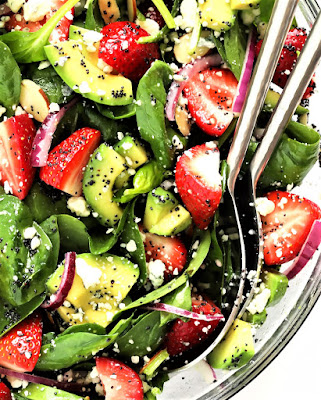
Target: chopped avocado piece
(243,4)
(255,319)
(35,391)
(100,174)
(236,349)
(135,156)
(163,215)
(84,77)
(79,33)
(272,99)
(222,19)
(276,282)
(100,285)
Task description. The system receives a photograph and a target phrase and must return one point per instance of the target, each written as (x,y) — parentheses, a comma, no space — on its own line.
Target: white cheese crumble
(264,206)
(131,246)
(78,206)
(15,5)
(36,10)
(35,243)
(156,269)
(260,300)
(89,275)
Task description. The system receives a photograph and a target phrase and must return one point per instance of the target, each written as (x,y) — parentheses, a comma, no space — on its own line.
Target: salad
(119,259)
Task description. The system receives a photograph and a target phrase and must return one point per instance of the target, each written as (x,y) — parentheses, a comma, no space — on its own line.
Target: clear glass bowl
(284,319)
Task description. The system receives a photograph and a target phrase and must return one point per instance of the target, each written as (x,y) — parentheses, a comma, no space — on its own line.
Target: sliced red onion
(186,72)
(42,141)
(310,246)
(246,73)
(4,10)
(58,298)
(184,313)
(72,386)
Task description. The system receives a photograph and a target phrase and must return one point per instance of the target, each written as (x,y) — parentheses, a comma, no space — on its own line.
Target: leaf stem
(169,20)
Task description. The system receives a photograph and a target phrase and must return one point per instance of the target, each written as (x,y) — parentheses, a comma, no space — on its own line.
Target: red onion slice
(310,246)
(246,73)
(57,299)
(74,387)
(184,313)
(186,72)
(42,141)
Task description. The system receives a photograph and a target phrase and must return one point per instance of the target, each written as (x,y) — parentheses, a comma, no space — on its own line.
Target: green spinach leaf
(266,7)
(117,112)
(235,41)
(73,234)
(94,20)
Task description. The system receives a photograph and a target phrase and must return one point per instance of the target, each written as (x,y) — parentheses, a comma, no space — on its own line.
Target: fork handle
(279,25)
(290,98)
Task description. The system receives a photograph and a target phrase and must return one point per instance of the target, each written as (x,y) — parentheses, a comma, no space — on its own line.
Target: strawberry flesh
(5,393)
(210,94)
(66,162)
(20,347)
(16,138)
(119,380)
(199,182)
(184,336)
(287,227)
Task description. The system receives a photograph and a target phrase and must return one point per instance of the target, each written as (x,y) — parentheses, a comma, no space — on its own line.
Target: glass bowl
(285,318)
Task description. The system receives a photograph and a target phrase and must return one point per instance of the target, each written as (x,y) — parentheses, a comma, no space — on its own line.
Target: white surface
(295,374)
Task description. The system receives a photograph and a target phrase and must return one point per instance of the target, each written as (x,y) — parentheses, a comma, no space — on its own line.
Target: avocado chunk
(100,174)
(84,77)
(255,319)
(35,391)
(163,215)
(222,19)
(236,349)
(243,4)
(276,282)
(100,285)
(135,156)
(272,99)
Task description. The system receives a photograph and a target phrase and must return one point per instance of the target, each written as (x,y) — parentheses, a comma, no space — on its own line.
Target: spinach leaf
(151,99)
(36,391)
(117,112)
(144,337)
(181,297)
(10,79)
(201,241)
(146,178)
(10,316)
(73,234)
(94,20)
(131,233)
(294,156)
(235,41)
(87,327)
(266,7)
(28,47)
(50,227)
(25,265)
(100,242)
(219,44)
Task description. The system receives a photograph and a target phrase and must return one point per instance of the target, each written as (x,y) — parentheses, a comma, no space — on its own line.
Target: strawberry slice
(20,347)
(119,381)
(199,182)
(16,138)
(170,250)
(5,393)
(59,34)
(210,94)
(185,335)
(293,44)
(287,227)
(66,162)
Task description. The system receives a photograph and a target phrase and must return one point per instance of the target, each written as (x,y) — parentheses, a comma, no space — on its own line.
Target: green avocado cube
(276,282)
(255,319)
(243,4)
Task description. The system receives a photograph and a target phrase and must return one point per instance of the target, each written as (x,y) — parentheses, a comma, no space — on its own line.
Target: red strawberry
(5,393)
(210,94)
(199,182)
(66,162)
(170,250)
(186,335)
(59,34)
(16,138)
(293,44)
(148,9)
(20,347)
(119,381)
(287,227)
(119,49)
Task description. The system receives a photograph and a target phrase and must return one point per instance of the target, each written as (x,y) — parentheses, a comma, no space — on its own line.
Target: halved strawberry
(16,138)
(186,335)
(5,393)
(287,227)
(119,380)
(170,250)
(20,347)
(199,182)
(66,162)
(59,34)
(210,94)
